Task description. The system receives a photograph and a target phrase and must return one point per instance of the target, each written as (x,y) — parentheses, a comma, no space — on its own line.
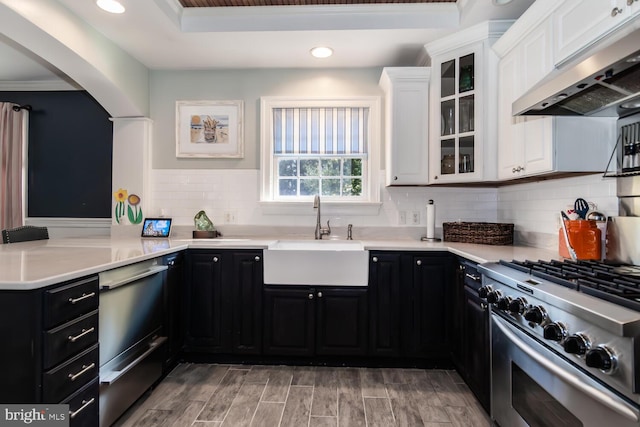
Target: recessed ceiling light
(111,6)
(501,2)
(322,52)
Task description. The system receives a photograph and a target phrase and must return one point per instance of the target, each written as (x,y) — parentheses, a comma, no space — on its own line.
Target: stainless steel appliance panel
(532,386)
(600,85)
(130,325)
(128,314)
(623,244)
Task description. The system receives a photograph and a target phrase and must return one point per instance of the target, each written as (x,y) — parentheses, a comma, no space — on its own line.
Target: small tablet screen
(156,227)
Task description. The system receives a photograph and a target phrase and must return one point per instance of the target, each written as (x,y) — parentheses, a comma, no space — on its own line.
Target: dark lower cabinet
(207,304)
(245,278)
(289,321)
(341,322)
(410,304)
(223,301)
(457,323)
(384,303)
(323,321)
(476,359)
(173,327)
(428,302)
(50,347)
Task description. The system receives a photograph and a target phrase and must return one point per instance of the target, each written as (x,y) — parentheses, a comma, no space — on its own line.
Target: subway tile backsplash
(231,196)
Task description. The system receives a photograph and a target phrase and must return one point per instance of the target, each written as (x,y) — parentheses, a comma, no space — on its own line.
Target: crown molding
(488,30)
(319,17)
(534,16)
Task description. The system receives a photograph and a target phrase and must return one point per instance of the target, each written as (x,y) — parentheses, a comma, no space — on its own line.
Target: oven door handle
(107,286)
(571,379)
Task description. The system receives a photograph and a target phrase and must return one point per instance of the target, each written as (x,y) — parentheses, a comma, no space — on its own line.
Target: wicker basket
(486,233)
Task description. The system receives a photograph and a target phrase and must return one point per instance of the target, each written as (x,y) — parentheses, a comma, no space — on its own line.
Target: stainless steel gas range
(565,343)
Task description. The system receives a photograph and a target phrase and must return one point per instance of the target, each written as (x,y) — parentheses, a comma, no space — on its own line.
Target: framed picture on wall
(209,129)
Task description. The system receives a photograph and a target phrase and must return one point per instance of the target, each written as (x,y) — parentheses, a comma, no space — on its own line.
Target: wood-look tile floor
(203,395)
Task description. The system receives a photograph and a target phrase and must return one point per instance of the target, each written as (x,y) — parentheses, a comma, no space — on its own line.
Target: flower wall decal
(121,197)
(134,201)
(134,211)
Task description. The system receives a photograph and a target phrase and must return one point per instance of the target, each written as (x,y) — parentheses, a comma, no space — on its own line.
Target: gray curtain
(10,166)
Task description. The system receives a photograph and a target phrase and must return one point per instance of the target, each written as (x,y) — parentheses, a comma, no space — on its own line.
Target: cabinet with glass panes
(462,137)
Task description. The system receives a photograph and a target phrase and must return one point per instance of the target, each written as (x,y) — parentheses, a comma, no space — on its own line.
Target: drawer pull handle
(473,277)
(83,333)
(85,403)
(84,296)
(85,369)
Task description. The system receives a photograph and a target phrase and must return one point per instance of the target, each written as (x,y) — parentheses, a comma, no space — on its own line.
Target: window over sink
(320,146)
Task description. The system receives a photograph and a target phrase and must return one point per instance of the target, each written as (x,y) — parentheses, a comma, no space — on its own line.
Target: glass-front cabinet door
(463,120)
(457,93)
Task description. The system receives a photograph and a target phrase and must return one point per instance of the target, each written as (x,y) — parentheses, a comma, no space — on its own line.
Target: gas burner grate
(613,283)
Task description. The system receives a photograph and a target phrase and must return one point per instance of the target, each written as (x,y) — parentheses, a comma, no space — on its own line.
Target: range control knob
(493,297)
(601,358)
(555,331)
(517,306)
(503,303)
(535,314)
(484,291)
(576,344)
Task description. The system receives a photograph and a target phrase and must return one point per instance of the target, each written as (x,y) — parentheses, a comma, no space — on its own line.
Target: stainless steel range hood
(606,84)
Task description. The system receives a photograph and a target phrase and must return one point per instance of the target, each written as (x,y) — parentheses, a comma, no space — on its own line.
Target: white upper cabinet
(463,131)
(540,145)
(406,124)
(578,24)
(523,142)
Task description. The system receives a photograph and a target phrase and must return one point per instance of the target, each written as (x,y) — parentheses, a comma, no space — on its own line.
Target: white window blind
(331,131)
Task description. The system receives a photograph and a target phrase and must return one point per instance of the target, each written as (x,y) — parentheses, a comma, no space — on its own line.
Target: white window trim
(368,205)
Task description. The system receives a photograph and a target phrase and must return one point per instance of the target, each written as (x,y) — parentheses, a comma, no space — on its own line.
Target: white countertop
(36,264)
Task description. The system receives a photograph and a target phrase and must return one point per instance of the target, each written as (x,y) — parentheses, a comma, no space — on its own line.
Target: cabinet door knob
(395,178)
(215,259)
(310,296)
(419,262)
(630,2)
(319,294)
(257,258)
(615,11)
(374,259)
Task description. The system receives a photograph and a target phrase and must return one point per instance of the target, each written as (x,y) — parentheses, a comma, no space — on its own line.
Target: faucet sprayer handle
(328,228)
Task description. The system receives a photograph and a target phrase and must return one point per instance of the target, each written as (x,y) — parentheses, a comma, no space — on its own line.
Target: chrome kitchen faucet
(319,230)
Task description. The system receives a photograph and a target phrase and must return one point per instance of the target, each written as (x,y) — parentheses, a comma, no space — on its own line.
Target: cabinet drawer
(69,339)
(64,379)
(67,302)
(472,277)
(83,406)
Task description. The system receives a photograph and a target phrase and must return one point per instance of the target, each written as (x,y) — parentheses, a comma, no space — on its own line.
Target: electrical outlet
(230,217)
(415,217)
(402,217)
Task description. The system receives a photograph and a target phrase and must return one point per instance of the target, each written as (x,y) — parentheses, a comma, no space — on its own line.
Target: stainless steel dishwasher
(130,328)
